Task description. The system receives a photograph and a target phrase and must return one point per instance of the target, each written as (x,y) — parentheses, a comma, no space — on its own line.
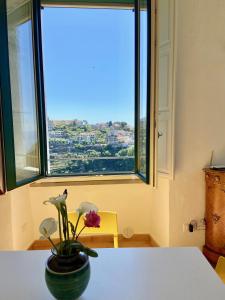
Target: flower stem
(67,231)
(67,224)
(50,240)
(80,232)
(60,230)
(62,210)
(78,219)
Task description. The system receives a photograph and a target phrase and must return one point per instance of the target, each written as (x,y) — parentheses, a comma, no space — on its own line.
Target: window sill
(87,180)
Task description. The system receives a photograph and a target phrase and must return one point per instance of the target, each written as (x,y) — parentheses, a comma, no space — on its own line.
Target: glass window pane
(23,89)
(89,87)
(142,140)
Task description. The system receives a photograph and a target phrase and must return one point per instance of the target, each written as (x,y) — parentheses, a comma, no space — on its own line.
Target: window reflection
(23,89)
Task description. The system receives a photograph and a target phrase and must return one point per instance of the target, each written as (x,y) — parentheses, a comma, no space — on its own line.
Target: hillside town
(77,147)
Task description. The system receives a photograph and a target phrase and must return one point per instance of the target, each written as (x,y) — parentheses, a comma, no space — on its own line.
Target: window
(96,70)
(89,89)
(20,95)
(143,92)
(23,92)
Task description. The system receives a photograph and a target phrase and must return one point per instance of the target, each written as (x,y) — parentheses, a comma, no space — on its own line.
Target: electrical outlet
(201,224)
(194,225)
(128,232)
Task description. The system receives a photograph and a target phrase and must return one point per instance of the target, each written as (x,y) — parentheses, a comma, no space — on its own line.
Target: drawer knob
(215,218)
(217,179)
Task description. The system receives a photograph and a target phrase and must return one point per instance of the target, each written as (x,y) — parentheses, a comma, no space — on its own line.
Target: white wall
(16,223)
(200,109)
(6,240)
(22,219)
(131,201)
(22,210)
(199,119)
(159,212)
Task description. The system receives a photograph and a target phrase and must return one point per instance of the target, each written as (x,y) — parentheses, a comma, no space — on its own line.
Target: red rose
(92,219)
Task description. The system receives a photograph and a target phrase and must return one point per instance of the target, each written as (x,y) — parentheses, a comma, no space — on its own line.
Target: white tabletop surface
(119,274)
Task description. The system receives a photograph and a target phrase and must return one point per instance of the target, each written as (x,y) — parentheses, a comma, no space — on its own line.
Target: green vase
(71,278)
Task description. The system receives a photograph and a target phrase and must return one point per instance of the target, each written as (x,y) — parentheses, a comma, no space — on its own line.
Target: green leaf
(72,227)
(77,246)
(90,252)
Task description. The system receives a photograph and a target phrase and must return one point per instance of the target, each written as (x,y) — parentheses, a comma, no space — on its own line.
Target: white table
(119,274)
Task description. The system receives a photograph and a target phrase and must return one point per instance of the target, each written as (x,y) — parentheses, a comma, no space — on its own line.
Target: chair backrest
(220,268)
(108,224)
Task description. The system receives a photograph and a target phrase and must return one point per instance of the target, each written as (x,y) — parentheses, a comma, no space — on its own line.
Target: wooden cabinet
(215,215)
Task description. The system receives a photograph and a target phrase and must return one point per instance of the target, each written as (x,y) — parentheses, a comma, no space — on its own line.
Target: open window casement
(23,105)
(21,92)
(145,93)
(165,74)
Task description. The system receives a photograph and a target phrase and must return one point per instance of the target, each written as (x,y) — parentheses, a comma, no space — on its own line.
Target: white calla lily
(86,207)
(48,227)
(56,200)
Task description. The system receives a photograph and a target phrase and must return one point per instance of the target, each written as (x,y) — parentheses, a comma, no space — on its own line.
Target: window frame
(150,165)
(107,4)
(7,114)
(9,157)
(150,100)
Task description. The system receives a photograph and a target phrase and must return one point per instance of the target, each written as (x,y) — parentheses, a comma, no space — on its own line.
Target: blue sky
(89,64)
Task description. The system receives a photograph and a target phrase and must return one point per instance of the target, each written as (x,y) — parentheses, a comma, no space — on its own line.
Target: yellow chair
(220,268)
(108,224)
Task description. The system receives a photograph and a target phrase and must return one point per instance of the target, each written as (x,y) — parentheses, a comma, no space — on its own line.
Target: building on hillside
(57,134)
(121,137)
(86,137)
(50,124)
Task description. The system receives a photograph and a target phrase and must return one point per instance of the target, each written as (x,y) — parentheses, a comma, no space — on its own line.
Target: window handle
(160,134)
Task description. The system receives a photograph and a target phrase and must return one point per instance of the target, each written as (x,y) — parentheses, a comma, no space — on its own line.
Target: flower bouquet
(68,270)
